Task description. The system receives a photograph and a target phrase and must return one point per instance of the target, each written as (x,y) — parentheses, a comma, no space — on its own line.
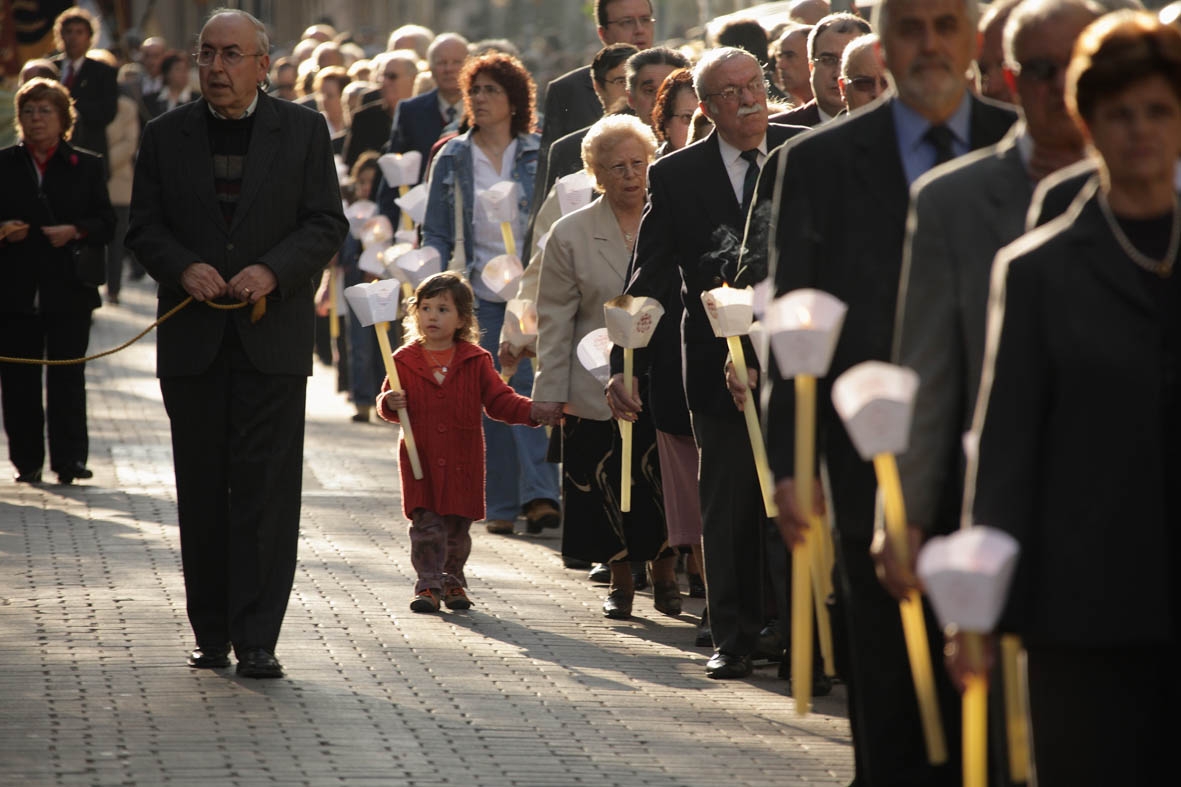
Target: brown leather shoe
(499,526)
(618,605)
(541,514)
(667,597)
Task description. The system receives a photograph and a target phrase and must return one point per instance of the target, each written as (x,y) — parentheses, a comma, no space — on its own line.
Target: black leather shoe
(31,477)
(667,598)
(575,563)
(724,666)
(210,658)
(67,474)
(618,605)
(259,663)
(769,646)
(600,574)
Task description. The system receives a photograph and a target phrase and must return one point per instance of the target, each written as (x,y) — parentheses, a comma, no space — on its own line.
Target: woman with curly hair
(499,101)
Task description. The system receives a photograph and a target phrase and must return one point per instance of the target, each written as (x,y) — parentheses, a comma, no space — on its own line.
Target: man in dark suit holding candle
(236,198)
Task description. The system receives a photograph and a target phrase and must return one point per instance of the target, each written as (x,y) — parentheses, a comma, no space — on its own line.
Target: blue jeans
(514,456)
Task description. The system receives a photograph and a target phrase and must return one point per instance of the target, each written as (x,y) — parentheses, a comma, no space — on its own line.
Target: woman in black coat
(53,199)
(1080,437)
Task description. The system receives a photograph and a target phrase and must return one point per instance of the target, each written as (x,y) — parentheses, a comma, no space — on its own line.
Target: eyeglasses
(866,84)
(229,57)
(827,59)
(623,169)
(489,90)
(41,112)
(1040,69)
(732,93)
(631,23)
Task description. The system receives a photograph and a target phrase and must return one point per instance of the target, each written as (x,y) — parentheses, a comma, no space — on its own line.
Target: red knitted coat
(445,419)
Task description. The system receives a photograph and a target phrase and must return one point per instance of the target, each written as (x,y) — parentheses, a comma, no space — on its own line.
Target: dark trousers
(116,251)
(883,712)
(1103,716)
(53,336)
(732,522)
(237,444)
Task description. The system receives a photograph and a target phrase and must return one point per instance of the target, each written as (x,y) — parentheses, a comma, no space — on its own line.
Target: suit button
(442,463)
(229,247)
(439,394)
(442,428)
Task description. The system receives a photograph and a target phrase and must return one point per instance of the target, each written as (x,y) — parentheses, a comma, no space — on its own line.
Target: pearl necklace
(1162,268)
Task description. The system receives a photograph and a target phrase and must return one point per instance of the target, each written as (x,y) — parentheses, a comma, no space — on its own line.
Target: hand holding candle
(967,575)
(804,326)
(519,333)
(875,400)
(377,304)
(630,323)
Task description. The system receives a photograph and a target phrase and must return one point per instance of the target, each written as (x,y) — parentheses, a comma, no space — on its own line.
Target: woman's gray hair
(605,134)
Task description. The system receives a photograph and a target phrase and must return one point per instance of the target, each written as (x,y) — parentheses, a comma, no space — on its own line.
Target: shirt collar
(911,126)
(731,154)
(824,116)
(249,110)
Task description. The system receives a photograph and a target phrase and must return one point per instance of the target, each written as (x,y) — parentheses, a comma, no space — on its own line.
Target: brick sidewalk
(531,687)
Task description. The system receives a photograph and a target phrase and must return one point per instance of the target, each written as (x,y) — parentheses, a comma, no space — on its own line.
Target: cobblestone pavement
(531,687)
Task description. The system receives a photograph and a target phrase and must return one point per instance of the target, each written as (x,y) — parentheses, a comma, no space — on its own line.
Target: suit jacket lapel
(1011,187)
(196,155)
(988,123)
(877,165)
(264,142)
(609,241)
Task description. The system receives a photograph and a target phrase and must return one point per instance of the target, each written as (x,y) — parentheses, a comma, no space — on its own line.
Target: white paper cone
(499,203)
(520,325)
(376,230)
(358,213)
(501,275)
(418,264)
(400,169)
(575,191)
(631,320)
(967,576)
(594,353)
(876,401)
(414,202)
(375,302)
(804,326)
(373,260)
(729,309)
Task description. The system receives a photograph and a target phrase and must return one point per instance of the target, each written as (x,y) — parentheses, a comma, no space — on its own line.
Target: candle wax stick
(801,560)
(975,708)
(820,597)
(625,434)
(914,627)
(333,313)
(1016,726)
(407,290)
(510,243)
(407,222)
(750,413)
(391,371)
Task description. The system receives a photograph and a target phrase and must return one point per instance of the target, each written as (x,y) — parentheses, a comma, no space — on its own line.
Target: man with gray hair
(838,200)
(394,72)
(236,200)
(684,240)
(863,73)
(826,42)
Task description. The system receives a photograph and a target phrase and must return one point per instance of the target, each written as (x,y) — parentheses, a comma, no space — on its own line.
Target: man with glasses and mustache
(236,200)
(863,73)
(698,201)
(826,42)
(862,167)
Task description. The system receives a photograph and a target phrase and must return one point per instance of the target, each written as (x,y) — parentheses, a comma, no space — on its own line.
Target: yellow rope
(125,345)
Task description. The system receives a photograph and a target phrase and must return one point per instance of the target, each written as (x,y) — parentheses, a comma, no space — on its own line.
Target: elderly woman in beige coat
(583,266)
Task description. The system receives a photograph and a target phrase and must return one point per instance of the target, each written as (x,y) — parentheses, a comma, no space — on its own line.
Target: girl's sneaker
(456,598)
(425,601)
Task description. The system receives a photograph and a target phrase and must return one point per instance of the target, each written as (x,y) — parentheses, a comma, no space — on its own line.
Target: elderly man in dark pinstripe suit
(236,199)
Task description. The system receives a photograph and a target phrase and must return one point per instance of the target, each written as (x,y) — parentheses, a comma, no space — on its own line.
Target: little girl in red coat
(447,379)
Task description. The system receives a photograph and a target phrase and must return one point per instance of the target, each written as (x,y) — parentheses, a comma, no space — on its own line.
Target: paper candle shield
(501,275)
(413,203)
(400,169)
(376,230)
(729,309)
(417,264)
(967,576)
(575,191)
(407,237)
(375,302)
(760,340)
(804,326)
(499,203)
(358,213)
(594,353)
(520,324)
(372,259)
(630,320)
(876,401)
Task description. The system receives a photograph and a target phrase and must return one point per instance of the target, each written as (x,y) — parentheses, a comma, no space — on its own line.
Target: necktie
(752,176)
(450,115)
(941,138)
(68,78)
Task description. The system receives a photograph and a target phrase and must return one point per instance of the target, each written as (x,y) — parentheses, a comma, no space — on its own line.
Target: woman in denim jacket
(499,98)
